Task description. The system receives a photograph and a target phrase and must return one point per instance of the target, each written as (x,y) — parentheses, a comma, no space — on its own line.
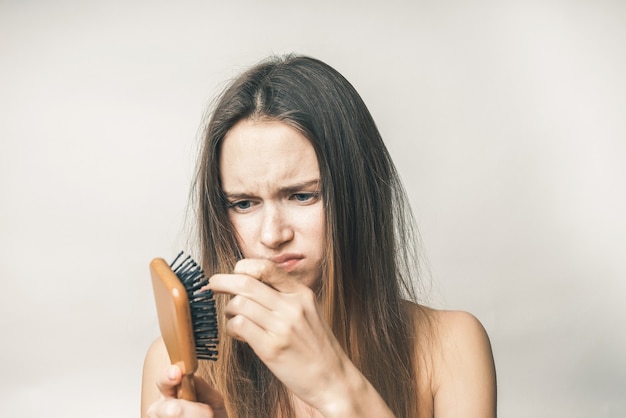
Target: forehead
(256,154)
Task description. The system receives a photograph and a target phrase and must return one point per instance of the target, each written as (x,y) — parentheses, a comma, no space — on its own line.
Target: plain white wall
(505,118)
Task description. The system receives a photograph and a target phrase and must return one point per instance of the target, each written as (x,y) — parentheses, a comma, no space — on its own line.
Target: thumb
(168,381)
(269,273)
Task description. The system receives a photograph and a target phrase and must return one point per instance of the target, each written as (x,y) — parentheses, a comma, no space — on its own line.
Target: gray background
(506,120)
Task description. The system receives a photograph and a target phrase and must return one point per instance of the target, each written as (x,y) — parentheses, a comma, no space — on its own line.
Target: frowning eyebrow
(286,190)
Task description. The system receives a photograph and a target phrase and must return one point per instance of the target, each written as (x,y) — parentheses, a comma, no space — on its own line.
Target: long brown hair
(369,232)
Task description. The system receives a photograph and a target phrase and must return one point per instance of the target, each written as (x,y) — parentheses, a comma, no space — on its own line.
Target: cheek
(243,235)
(317,226)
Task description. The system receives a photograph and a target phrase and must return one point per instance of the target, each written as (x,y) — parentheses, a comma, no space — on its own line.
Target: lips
(287,261)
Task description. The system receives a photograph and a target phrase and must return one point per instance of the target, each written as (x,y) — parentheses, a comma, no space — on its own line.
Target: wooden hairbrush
(187,316)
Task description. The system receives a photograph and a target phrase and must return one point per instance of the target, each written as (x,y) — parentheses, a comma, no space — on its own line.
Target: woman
(305,229)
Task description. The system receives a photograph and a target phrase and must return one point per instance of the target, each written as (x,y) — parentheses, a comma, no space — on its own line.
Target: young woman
(306,232)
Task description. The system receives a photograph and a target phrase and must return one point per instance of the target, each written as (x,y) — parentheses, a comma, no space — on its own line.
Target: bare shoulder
(155,362)
(464,378)
(457,373)
(460,332)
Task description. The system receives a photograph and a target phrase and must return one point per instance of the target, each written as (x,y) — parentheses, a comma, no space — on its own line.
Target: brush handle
(187,388)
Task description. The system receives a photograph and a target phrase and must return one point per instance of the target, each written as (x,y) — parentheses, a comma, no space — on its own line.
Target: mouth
(287,261)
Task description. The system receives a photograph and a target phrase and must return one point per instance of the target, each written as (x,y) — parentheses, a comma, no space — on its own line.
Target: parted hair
(370,259)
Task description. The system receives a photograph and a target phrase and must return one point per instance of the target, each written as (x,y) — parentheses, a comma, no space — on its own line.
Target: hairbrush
(187,316)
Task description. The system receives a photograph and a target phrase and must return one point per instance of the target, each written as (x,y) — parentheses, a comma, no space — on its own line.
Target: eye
(305,197)
(240,206)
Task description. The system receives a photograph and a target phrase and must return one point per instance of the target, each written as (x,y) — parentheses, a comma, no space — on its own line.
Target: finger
(269,345)
(243,329)
(252,267)
(239,284)
(268,272)
(168,381)
(260,303)
(249,308)
(178,408)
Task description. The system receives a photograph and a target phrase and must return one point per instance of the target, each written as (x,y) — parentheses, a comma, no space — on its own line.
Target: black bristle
(201,304)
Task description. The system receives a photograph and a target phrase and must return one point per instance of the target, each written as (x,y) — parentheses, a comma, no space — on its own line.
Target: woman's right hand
(210,402)
(159,386)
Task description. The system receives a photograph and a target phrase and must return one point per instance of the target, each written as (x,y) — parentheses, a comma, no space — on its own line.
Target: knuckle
(172,409)
(165,408)
(240,266)
(236,304)
(296,314)
(272,351)
(244,285)
(285,330)
(308,297)
(238,301)
(236,326)
(251,267)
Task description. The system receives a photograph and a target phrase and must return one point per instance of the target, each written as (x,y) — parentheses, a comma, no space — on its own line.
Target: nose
(276,228)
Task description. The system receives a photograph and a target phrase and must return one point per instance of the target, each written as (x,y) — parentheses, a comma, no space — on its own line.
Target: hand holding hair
(279,318)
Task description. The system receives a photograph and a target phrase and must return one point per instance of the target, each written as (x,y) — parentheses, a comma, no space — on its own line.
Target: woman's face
(271,179)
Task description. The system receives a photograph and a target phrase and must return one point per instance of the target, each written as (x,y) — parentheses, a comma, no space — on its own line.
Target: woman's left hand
(279,318)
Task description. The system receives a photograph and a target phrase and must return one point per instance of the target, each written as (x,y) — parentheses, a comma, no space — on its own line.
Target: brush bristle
(201,304)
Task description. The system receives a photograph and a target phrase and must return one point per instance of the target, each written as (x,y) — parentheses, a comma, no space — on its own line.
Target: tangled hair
(369,251)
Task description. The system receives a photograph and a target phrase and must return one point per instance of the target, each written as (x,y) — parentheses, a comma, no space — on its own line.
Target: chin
(313,283)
